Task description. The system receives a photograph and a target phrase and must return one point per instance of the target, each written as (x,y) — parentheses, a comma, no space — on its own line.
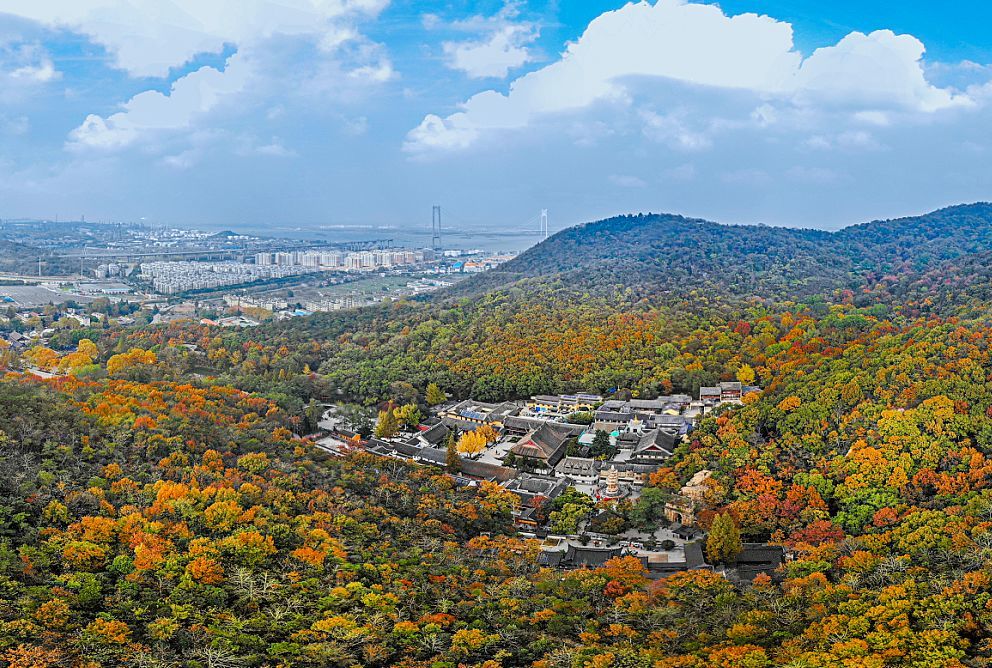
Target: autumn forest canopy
(161,504)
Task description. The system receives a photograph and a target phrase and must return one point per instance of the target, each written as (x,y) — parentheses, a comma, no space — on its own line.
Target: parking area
(36,296)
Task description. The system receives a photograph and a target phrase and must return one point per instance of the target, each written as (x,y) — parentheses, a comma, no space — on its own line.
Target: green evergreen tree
(452,460)
(312,414)
(601,446)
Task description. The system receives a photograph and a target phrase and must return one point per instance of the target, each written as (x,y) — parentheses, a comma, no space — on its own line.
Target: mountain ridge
(752,258)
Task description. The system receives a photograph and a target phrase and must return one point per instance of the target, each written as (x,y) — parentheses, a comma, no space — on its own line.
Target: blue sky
(323,112)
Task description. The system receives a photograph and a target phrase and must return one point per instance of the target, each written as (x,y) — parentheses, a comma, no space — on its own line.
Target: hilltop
(659,253)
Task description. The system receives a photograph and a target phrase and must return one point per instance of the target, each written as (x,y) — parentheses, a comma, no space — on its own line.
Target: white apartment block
(337,260)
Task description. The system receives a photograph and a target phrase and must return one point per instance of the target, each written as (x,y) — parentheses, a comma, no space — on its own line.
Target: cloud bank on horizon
(320,110)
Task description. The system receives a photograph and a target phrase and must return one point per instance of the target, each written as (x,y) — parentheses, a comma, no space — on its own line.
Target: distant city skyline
(275,114)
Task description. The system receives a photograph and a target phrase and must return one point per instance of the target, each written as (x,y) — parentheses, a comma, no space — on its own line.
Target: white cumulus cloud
(494,56)
(151,38)
(41,72)
(148,37)
(697,45)
(189,97)
(881,69)
(24,64)
(502,43)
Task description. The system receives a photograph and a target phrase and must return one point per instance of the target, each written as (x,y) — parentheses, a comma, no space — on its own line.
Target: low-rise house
(377,446)
(568,554)
(544,402)
(676,424)
(17,340)
(617,415)
(517,425)
(530,492)
(82,319)
(727,392)
(380,449)
(530,488)
(654,447)
(563,403)
(520,426)
(434,436)
(686,533)
(695,410)
(544,447)
(525,517)
(408,451)
(501,412)
(467,415)
(662,564)
(485,471)
(611,420)
(628,473)
(731,392)
(647,405)
(413,452)
(582,470)
(238,321)
(628,440)
(710,395)
(559,552)
(758,558)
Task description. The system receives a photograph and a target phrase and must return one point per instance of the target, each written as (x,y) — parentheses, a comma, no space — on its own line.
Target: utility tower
(544,223)
(436,227)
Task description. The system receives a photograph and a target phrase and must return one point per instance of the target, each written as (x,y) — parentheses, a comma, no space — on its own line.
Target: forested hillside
(655,322)
(920,241)
(653,254)
(23,259)
(161,508)
(151,521)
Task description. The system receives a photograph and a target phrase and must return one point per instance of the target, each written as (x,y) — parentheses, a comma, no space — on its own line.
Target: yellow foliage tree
(132,358)
(222,515)
(790,404)
(87,347)
(74,361)
(471,443)
(42,357)
(435,395)
(745,374)
(487,432)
